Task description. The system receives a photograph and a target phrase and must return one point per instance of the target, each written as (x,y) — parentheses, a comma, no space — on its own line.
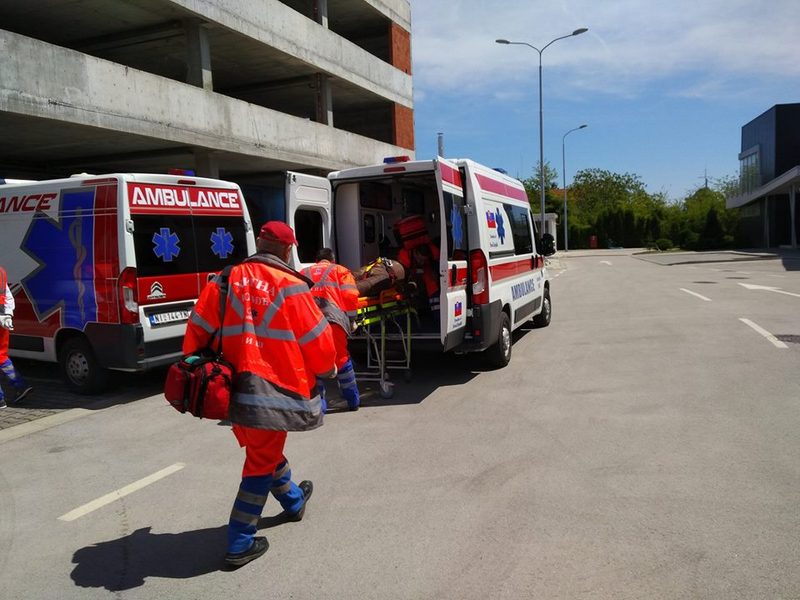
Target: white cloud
(709,45)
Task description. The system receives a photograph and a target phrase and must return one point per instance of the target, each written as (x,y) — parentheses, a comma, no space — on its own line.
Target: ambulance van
(104,269)
(491,267)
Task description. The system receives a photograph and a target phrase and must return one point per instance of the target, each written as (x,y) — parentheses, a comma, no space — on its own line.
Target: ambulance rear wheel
(80,368)
(543,318)
(500,353)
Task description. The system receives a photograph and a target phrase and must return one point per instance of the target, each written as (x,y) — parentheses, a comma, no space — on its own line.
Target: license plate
(169,317)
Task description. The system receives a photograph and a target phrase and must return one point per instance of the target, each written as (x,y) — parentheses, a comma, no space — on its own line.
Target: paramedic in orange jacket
(7,305)
(336,284)
(421,263)
(279,342)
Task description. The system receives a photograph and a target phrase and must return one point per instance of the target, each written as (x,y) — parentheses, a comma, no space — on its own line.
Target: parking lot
(642,446)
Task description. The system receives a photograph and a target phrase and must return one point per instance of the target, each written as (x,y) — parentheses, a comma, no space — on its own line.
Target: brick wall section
(403,126)
(402,117)
(400,48)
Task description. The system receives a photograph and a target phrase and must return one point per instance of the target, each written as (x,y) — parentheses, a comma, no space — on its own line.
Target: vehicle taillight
(128,297)
(480,277)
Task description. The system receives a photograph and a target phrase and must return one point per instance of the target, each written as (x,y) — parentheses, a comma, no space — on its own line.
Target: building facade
(769,178)
(238,89)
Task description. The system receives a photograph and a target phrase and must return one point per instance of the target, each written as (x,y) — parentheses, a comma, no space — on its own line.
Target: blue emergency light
(390,160)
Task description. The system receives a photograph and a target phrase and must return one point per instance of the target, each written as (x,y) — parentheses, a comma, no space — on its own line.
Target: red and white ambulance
(491,267)
(105,268)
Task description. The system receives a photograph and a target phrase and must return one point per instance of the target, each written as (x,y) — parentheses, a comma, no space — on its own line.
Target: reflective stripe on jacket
(336,284)
(275,337)
(7,303)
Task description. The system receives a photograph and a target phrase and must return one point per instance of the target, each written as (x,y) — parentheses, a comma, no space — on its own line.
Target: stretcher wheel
(387,390)
(407,375)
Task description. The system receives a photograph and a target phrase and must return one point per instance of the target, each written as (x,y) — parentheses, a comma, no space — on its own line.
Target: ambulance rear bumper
(483,328)
(122,347)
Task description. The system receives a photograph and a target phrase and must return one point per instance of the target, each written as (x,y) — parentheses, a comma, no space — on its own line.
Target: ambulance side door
(454,248)
(308,212)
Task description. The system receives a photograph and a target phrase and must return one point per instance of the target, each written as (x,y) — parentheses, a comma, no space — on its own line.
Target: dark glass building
(769,178)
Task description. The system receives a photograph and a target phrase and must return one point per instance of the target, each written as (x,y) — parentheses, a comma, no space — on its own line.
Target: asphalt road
(643,446)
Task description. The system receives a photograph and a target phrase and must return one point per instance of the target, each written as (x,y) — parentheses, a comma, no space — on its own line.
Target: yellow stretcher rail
(386,326)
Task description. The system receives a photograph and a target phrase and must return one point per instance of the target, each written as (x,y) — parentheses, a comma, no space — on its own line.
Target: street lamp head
(502,41)
(580,31)
(583,126)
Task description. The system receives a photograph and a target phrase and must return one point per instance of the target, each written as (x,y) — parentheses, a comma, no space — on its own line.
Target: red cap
(277,231)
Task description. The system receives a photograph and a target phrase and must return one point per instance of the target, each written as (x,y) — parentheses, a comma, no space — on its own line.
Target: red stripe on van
(498,187)
(511,269)
(450,175)
(106,258)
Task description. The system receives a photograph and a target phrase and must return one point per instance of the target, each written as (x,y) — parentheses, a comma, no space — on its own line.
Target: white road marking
(773,275)
(605,262)
(120,493)
(775,341)
(696,294)
(777,290)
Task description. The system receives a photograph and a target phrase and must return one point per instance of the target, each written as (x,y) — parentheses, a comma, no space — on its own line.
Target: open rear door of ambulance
(454,254)
(308,212)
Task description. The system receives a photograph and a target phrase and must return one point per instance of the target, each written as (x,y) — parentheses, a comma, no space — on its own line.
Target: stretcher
(384,323)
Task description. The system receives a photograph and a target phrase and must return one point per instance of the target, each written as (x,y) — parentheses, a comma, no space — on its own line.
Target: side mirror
(548,244)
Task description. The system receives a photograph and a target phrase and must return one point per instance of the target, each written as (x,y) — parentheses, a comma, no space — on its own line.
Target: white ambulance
(492,276)
(105,268)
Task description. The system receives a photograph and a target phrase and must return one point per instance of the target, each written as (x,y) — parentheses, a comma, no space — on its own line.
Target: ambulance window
(520,229)
(456,229)
(308,231)
(375,195)
(164,245)
(220,241)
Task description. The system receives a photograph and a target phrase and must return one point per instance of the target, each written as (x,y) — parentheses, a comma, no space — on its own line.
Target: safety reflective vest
(334,283)
(275,337)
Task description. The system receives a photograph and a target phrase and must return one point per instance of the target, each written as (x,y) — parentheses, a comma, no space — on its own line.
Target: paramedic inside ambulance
(421,265)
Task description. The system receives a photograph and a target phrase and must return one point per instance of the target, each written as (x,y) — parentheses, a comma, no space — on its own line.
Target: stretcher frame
(383,320)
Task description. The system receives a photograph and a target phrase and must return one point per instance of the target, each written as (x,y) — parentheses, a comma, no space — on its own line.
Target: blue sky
(664,87)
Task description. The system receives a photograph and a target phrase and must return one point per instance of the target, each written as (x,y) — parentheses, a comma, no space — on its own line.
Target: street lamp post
(564,174)
(541,118)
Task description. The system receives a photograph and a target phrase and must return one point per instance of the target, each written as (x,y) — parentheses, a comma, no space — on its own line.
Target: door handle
(453,275)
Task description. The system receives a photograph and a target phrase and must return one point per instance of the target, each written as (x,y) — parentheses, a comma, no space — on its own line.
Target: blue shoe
(3,403)
(308,488)
(259,547)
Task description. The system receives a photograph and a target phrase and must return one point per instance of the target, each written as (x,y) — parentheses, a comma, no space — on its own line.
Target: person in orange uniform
(279,342)
(336,285)
(421,264)
(7,305)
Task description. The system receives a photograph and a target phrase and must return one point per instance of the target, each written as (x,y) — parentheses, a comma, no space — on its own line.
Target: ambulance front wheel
(80,368)
(543,318)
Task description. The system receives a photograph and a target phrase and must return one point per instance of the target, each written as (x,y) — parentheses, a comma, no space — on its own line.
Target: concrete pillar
(320,9)
(206,163)
(324,99)
(198,59)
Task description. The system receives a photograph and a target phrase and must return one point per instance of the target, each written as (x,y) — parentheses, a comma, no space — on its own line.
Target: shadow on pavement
(50,392)
(431,369)
(126,563)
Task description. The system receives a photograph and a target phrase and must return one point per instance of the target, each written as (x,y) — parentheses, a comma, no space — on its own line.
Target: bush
(664,244)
